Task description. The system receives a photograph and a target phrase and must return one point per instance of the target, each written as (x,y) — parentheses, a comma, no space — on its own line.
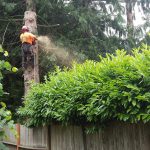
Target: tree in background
(136,32)
(93,27)
(11,14)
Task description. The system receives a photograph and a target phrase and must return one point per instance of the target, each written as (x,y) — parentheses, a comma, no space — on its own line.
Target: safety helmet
(25,29)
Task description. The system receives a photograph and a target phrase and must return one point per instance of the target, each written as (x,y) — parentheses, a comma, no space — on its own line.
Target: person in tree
(28,40)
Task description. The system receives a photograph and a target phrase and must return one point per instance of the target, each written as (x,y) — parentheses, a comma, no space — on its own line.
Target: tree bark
(30,5)
(129,13)
(31,72)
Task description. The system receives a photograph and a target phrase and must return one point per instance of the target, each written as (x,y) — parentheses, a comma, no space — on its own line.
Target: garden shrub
(115,88)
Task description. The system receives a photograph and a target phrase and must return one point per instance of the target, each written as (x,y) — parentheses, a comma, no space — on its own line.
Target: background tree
(11,14)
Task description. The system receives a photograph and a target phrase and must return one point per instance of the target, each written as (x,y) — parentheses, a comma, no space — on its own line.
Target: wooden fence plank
(66,138)
(120,136)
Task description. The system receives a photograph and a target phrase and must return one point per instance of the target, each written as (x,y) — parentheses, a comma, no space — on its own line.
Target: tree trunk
(129,13)
(31,72)
(30,5)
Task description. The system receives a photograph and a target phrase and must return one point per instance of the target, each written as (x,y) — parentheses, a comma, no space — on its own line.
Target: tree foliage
(82,25)
(94,27)
(5,115)
(11,18)
(116,88)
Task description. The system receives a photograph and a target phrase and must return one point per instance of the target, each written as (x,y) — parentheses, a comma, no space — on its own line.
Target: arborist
(28,40)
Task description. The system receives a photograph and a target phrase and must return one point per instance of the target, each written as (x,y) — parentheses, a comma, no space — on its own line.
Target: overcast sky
(138,16)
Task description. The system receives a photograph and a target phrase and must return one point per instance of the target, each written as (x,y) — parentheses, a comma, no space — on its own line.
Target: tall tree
(31,70)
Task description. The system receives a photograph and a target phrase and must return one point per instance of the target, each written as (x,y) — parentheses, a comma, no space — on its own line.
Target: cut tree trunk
(31,72)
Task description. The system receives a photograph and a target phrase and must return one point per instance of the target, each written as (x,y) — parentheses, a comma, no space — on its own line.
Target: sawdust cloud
(62,55)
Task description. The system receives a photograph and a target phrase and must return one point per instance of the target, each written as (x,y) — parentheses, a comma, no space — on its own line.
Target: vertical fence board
(120,136)
(78,138)
(10,137)
(66,138)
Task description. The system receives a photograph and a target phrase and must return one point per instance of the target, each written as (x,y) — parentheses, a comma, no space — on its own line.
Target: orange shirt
(27,37)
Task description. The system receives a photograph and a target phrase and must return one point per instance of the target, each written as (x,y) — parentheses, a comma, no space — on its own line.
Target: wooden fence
(116,136)
(30,138)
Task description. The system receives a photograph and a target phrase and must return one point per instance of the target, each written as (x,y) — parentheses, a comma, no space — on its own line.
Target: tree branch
(5,33)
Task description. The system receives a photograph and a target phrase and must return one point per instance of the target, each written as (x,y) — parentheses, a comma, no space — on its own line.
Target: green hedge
(116,88)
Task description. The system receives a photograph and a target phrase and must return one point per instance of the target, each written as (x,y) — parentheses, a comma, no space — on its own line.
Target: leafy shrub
(5,115)
(116,88)
(5,122)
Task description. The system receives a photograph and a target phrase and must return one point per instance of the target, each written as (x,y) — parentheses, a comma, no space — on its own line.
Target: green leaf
(5,53)
(7,65)
(134,103)
(14,69)
(3,104)
(1,49)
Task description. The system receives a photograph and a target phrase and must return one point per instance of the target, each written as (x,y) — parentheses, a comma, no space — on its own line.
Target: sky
(137,21)
(138,16)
